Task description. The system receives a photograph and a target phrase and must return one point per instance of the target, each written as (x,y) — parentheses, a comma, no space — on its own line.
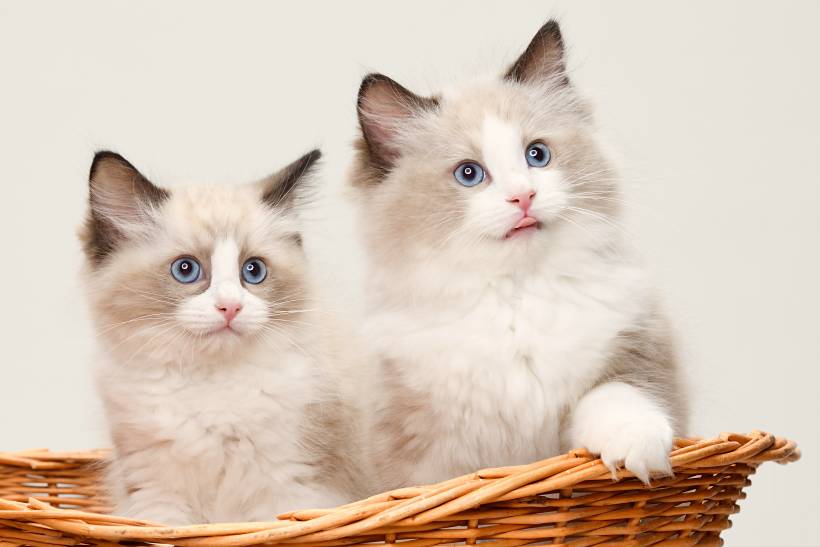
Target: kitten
(510,318)
(214,372)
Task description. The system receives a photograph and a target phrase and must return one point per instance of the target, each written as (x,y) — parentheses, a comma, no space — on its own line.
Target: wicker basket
(55,499)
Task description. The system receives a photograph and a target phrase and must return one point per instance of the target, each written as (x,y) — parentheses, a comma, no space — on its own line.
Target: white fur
(501,339)
(213,425)
(625,427)
(205,440)
(215,446)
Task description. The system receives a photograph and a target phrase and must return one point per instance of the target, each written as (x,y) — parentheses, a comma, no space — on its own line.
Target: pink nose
(523,200)
(229,311)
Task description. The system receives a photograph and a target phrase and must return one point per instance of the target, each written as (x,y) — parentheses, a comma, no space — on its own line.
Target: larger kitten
(510,318)
(215,373)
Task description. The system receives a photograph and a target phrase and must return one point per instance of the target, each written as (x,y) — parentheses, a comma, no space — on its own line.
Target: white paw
(642,448)
(626,429)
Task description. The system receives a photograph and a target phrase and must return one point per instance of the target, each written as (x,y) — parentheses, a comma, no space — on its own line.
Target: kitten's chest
(240,406)
(519,350)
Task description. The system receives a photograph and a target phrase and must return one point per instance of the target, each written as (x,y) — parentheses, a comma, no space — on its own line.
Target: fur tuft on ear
(278,189)
(384,106)
(120,200)
(543,59)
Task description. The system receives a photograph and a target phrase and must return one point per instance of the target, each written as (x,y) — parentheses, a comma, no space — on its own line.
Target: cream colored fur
(211,425)
(494,351)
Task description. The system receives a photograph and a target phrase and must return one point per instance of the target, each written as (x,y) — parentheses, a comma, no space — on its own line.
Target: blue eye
(469,174)
(186,270)
(538,154)
(254,271)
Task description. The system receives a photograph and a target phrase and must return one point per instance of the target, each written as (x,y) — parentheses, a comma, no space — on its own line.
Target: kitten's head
(483,174)
(197,272)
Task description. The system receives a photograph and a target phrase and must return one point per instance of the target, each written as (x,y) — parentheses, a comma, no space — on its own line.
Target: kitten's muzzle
(523,201)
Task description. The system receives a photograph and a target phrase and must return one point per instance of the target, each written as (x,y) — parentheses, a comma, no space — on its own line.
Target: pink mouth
(526,224)
(226,328)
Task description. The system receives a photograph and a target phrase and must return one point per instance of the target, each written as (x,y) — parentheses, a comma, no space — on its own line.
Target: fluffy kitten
(510,318)
(214,372)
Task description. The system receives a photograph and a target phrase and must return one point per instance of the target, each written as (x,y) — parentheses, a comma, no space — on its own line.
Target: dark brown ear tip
(276,188)
(102,157)
(308,160)
(551,28)
(374,78)
(371,79)
(543,57)
(550,33)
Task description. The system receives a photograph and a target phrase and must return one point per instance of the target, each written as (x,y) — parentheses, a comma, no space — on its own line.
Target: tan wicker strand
(56,499)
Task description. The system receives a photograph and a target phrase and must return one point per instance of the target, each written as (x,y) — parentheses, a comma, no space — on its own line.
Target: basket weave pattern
(49,499)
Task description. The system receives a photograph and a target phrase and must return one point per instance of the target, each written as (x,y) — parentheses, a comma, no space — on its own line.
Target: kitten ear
(384,107)
(121,201)
(543,59)
(277,189)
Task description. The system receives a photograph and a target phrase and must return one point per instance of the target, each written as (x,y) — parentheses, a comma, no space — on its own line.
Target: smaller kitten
(214,372)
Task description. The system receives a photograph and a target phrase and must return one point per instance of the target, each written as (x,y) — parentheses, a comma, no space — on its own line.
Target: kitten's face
(500,169)
(200,272)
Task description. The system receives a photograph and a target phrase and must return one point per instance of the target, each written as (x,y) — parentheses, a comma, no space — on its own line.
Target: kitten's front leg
(626,427)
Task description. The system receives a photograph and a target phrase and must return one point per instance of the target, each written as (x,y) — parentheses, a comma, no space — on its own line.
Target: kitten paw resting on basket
(508,314)
(216,376)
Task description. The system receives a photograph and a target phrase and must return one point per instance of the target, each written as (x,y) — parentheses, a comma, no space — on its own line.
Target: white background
(713,104)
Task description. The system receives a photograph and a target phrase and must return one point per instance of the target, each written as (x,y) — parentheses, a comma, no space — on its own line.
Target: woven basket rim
(413,506)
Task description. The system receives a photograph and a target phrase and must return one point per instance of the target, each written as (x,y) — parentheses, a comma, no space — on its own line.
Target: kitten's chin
(224,330)
(221,342)
(219,329)
(219,337)
(520,246)
(213,331)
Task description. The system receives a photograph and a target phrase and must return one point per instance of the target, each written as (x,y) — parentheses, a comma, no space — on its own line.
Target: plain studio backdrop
(714,107)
